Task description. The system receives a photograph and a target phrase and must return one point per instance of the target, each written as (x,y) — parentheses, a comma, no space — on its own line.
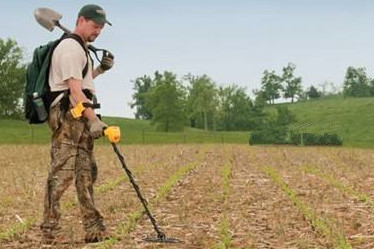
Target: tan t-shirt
(68,61)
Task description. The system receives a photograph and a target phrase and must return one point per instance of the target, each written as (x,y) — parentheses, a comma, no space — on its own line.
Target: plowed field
(208,196)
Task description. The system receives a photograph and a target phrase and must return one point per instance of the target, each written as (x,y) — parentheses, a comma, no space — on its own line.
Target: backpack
(37,78)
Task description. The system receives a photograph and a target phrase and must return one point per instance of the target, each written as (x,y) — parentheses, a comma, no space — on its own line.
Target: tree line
(197,101)
(357,83)
(194,101)
(172,103)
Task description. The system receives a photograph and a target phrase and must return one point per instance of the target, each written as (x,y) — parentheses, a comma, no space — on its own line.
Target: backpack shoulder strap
(81,42)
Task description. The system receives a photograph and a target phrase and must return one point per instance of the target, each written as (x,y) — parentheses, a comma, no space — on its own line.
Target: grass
(226,171)
(133,132)
(166,188)
(176,177)
(125,228)
(224,224)
(112,184)
(319,224)
(15,229)
(224,233)
(339,185)
(350,118)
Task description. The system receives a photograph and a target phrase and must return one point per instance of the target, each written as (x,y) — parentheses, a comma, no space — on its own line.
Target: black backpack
(37,77)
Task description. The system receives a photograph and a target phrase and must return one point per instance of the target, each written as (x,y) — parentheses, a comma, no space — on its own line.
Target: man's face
(90,29)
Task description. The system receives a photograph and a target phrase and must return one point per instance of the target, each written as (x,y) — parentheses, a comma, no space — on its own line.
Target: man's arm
(97,72)
(95,125)
(75,87)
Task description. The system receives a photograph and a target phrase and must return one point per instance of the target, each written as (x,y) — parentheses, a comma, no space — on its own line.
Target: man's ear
(80,20)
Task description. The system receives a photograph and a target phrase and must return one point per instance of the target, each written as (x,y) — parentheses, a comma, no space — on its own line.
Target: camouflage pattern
(71,158)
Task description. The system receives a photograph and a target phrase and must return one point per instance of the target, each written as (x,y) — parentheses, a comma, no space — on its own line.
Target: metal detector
(161,237)
(50,19)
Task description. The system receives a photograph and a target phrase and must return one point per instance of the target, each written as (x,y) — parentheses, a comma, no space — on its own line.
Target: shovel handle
(90,47)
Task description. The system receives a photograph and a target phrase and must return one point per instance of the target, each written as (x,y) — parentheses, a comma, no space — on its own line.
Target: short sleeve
(72,59)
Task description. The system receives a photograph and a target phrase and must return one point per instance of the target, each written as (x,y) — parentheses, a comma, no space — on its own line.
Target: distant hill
(132,132)
(351,118)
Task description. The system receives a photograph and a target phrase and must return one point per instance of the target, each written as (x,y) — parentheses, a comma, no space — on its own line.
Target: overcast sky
(232,41)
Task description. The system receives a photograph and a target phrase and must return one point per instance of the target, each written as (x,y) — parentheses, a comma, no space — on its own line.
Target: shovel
(49,19)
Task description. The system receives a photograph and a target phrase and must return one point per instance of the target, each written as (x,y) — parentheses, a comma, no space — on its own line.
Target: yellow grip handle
(113,133)
(77,110)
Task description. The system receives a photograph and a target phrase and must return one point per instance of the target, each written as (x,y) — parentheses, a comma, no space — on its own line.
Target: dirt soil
(335,183)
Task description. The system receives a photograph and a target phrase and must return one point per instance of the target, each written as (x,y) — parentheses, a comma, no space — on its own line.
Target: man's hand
(107,62)
(96,128)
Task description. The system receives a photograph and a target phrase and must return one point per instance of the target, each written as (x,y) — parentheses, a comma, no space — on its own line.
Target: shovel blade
(47,17)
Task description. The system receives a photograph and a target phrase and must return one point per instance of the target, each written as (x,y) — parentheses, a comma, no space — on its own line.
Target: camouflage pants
(71,159)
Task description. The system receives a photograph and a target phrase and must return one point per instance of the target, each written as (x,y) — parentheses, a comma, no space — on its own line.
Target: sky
(231,41)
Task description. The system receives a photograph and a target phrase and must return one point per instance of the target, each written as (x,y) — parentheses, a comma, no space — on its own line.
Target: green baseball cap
(95,13)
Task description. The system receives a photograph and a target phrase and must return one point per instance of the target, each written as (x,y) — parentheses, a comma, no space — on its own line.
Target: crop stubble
(259,213)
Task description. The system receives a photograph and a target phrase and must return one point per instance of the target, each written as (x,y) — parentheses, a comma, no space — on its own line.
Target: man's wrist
(99,70)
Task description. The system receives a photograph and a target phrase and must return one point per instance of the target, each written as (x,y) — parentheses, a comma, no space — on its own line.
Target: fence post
(32,133)
(143,136)
(302,139)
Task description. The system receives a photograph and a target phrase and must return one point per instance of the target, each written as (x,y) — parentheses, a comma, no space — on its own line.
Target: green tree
(281,124)
(284,116)
(313,93)
(12,79)
(275,128)
(141,86)
(271,86)
(356,82)
(260,98)
(235,109)
(166,101)
(202,98)
(292,86)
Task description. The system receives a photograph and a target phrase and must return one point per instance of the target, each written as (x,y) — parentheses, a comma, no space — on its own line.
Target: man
(72,137)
